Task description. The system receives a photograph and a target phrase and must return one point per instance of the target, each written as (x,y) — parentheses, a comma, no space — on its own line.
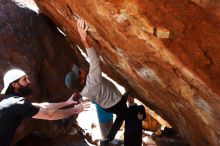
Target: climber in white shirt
(92,85)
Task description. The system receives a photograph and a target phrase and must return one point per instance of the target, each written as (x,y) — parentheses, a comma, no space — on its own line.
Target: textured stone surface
(166,51)
(32,42)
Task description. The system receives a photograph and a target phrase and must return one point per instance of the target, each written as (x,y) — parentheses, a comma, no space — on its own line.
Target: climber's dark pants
(132,139)
(120,110)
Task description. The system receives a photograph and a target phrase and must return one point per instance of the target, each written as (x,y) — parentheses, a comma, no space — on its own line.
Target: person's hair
(10,88)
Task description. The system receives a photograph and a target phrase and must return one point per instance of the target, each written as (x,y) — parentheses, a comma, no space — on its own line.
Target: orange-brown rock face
(166,51)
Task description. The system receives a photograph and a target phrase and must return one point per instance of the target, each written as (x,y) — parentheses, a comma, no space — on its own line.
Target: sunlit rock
(167,52)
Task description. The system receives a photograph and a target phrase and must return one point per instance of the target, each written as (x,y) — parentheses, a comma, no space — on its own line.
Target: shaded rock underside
(32,42)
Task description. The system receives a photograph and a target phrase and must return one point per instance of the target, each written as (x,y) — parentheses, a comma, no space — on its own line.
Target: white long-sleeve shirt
(97,87)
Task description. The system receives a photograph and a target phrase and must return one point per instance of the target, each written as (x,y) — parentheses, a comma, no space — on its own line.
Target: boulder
(166,52)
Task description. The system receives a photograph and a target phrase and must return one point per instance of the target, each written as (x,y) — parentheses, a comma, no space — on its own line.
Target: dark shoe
(104,143)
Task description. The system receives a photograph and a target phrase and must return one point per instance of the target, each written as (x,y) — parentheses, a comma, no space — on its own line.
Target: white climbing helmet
(11,76)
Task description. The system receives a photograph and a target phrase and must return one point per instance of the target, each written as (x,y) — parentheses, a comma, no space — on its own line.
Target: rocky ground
(89,122)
